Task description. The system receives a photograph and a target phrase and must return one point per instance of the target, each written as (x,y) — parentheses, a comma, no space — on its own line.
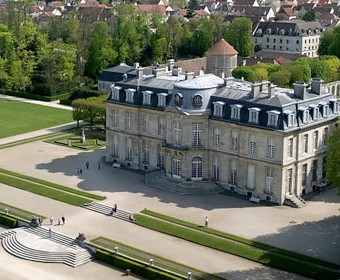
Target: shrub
(8,221)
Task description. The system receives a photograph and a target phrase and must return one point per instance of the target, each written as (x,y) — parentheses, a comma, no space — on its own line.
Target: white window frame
(160,156)
(176,168)
(234,141)
(115,146)
(177,132)
(233,173)
(251,176)
(254,115)
(305,143)
(290,147)
(162,99)
(128,149)
(290,119)
(269,181)
(335,105)
(216,169)
(316,112)
(115,90)
(325,136)
(197,169)
(305,116)
(197,130)
(218,108)
(235,111)
(216,137)
(129,120)
(147,97)
(129,95)
(273,118)
(325,111)
(316,140)
(146,123)
(115,118)
(146,153)
(271,148)
(252,146)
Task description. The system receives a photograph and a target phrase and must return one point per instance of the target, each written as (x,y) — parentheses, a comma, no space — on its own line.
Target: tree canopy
(333,158)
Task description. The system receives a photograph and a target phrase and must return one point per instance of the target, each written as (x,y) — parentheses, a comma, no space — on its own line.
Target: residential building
(253,139)
(289,36)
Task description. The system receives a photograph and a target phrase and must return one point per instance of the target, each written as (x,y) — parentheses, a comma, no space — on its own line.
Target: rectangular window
(325,136)
(233,176)
(176,168)
(162,99)
(270,149)
(252,147)
(129,95)
(273,118)
(161,126)
(146,153)
(315,170)
(128,149)
(115,147)
(115,92)
(290,147)
(197,134)
(305,116)
(316,140)
(218,108)
(216,169)
(253,115)
(269,180)
(160,157)
(216,137)
(304,175)
(325,111)
(305,143)
(147,97)
(236,112)
(291,118)
(177,132)
(336,107)
(128,120)
(234,141)
(316,113)
(146,123)
(115,118)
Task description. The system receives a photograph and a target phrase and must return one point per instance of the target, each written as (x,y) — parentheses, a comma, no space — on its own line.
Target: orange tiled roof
(150,8)
(201,13)
(222,47)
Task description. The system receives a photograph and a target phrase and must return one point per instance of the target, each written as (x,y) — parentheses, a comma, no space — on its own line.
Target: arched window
(196,168)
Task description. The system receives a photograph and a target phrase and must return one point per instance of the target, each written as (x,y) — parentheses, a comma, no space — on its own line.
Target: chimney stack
(228,81)
(176,71)
(316,85)
(139,71)
(171,64)
(255,90)
(271,90)
(136,65)
(189,75)
(158,72)
(300,90)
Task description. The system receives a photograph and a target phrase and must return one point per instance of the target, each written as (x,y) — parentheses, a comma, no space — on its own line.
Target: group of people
(87,165)
(62,220)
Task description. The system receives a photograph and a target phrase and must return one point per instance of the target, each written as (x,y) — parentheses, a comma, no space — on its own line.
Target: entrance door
(251,177)
(176,168)
(196,169)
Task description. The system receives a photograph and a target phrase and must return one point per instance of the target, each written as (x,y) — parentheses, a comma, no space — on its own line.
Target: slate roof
(221,48)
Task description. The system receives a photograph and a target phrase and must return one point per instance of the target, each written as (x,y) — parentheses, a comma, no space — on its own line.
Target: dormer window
(236,111)
(325,109)
(269,31)
(129,94)
(334,105)
(218,108)
(316,111)
(254,115)
(305,114)
(162,99)
(273,117)
(147,97)
(115,90)
(290,118)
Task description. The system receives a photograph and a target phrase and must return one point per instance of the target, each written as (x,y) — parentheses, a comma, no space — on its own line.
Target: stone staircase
(34,244)
(158,180)
(107,210)
(294,201)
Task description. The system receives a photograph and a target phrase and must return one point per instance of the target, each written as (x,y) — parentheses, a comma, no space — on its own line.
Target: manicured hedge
(135,267)
(35,96)
(8,221)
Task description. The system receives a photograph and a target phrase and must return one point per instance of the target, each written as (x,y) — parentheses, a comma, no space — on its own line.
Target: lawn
(20,117)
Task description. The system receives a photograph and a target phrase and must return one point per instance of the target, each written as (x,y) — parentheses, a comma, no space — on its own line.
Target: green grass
(266,257)
(20,213)
(256,244)
(43,190)
(138,254)
(52,185)
(20,117)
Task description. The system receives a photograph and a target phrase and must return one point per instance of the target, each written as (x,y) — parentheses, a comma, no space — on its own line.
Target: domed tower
(221,58)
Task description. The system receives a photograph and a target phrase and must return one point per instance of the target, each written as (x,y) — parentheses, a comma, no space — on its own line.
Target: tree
(280,78)
(202,37)
(333,157)
(329,42)
(309,15)
(333,64)
(78,106)
(244,72)
(101,54)
(238,35)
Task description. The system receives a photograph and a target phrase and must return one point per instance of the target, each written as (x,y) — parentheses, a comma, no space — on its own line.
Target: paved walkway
(303,229)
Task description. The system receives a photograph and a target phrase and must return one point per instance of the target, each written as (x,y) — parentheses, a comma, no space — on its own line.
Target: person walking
(63,220)
(87,165)
(115,208)
(98,165)
(206,221)
(50,233)
(51,221)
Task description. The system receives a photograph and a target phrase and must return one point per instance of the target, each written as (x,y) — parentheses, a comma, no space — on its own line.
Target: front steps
(34,244)
(294,201)
(107,210)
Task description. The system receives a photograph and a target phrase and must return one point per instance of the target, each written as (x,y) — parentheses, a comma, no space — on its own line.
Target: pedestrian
(49,233)
(51,220)
(63,220)
(58,222)
(115,208)
(87,165)
(80,171)
(206,221)
(98,165)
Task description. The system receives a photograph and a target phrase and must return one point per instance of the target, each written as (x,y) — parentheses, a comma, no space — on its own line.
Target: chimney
(264,85)
(171,64)
(139,71)
(228,81)
(136,65)
(255,90)
(316,85)
(271,90)
(299,90)
(189,75)
(176,71)
(158,72)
